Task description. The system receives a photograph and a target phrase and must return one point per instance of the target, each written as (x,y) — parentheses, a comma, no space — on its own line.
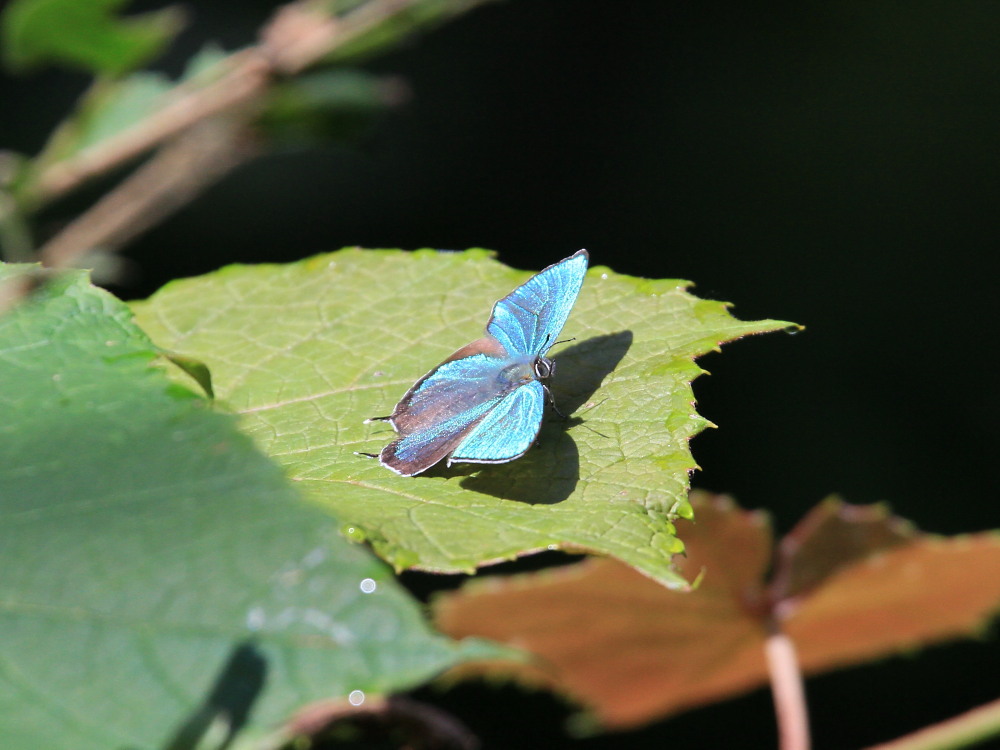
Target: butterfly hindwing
(528,320)
(442,408)
(507,430)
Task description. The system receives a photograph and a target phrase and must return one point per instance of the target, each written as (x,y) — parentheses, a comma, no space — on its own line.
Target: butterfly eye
(544,368)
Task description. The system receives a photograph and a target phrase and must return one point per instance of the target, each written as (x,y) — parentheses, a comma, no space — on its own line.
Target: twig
(788,691)
(179,172)
(247,77)
(296,37)
(964,730)
(421,724)
(299,35)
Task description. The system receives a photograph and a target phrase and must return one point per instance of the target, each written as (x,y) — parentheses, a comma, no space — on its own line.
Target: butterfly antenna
(366,455)
(584,422)
(596,432)
(564,341)
(377,419)
(591,406)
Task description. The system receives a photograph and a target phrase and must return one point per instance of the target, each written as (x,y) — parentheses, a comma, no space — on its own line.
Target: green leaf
(329,105)
(198,371)
(305,352)
(392,28)
(83,34)
(106,109)
(118,105)
(155,569)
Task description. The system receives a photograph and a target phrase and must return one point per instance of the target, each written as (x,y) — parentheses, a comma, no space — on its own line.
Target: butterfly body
(484,403)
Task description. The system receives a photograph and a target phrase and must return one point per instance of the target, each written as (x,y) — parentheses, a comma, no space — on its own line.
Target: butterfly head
(544,367)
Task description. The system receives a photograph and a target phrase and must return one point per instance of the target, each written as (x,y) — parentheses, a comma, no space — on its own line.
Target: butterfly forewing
(529,319)
(508,430)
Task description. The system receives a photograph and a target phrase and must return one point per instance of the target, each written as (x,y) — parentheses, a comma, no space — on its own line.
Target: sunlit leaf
(306,352)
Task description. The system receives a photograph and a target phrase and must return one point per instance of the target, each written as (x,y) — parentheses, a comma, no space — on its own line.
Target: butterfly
(484,403)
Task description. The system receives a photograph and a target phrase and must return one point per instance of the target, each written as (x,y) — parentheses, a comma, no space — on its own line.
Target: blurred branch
(245,78)
(300,34)
(964,730)
(788,691)
(15,237)
(178,173)
(421,725)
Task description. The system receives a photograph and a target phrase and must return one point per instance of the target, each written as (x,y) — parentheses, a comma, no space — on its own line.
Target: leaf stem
(788,691)
(963,730)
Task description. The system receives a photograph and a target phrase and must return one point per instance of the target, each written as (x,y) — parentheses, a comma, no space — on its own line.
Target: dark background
(831,164)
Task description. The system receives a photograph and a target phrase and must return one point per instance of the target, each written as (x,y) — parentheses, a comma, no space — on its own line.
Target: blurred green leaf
(306,351)
(15,234)
(392,28)
(113,106)
(84,34)
(330,105)
(156,570)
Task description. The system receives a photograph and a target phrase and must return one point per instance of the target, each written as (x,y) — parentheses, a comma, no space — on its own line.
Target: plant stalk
(964,730)
(788,691)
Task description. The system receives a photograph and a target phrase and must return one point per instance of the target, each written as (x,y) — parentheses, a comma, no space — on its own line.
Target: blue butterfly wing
(444,406)
(484,404)
(528,320)
(507,430)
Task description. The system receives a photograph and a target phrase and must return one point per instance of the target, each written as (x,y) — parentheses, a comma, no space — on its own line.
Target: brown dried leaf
(832,535)
(852,583)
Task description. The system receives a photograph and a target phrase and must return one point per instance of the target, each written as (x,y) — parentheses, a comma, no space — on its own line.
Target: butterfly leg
(369,421)
(552,402)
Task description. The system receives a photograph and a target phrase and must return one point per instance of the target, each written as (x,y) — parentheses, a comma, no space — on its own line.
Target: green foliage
(83,34)
(155,569)
(330,105)
(393,29)
(305,352)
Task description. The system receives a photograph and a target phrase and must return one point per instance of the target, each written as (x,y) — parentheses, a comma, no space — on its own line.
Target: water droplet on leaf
(354,533)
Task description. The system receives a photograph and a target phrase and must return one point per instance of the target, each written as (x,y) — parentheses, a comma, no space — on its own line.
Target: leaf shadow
(229,701)
(549,472)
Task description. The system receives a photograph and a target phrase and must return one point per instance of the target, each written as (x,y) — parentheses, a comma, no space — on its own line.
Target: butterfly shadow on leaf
(550,470)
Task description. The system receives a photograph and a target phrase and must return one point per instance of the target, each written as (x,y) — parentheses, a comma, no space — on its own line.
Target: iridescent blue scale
(484,403)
